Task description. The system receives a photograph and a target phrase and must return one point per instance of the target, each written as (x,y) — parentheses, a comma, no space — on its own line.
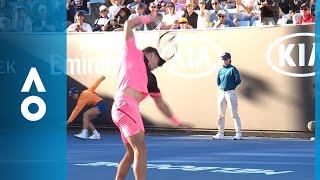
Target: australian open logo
(33,77)
(194,56)
(293,55)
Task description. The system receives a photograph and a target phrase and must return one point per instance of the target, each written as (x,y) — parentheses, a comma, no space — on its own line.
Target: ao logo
(293,55)
(195,56)
(33,76)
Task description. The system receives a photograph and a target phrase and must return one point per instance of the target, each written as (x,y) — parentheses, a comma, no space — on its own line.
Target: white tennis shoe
(82,135)
(238,136)
(218,136)
(95,136)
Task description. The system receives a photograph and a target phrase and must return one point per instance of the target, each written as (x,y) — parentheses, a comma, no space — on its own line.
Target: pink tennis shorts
(126,116)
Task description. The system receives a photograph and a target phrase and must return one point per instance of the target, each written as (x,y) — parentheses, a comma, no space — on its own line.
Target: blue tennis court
(196,157)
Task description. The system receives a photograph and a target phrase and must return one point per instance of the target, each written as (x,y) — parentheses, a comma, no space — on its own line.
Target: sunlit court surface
(188,157)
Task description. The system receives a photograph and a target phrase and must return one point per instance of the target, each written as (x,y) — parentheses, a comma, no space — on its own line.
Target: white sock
(95,132)
(84,131)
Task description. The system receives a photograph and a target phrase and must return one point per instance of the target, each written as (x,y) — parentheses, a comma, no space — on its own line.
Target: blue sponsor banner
(33,92)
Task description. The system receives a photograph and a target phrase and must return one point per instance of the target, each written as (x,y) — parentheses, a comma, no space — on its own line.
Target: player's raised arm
(132,23)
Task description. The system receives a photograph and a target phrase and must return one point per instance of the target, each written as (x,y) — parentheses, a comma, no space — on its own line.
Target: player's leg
(125,163)
(232,100)
(133,138)
(126,115)
(140,155)
(222,105)
(119,120)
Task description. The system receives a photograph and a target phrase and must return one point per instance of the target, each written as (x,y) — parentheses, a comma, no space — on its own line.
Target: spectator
(179,5)
(269,11)
(288,18)
(21,22)
(161,5)
(103,22)
(139,11)
(223,21)
(114,9)
(5,25)
(120,18)
(42,23)
(230,4)
(35,7)
(132,6)
(216,5)
(312,7)
(27,6)
(297,4)
(116,3)
(5,9)
(154,13)
(203,16)
(244,8)
(170,18)
(81,5)
(306,16)
(182,24)
(71,11)
(196,4)
(284,5)
(191,16)
(79,25)
(209,5)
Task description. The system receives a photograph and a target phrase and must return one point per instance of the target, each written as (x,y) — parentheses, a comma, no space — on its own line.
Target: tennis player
(135,83)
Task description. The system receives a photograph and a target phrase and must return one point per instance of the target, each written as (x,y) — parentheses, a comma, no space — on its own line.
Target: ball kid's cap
(225,56)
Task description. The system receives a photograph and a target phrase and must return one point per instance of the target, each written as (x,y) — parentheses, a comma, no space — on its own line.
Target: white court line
(271,154)
(234,162)
(189,168)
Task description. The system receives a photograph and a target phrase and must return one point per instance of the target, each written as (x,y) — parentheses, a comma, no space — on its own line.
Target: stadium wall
(276,66)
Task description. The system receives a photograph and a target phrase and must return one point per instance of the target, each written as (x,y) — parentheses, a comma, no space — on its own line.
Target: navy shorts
(101,105)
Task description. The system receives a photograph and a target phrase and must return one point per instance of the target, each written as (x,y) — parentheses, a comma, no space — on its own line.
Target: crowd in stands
(199,14)
(32,16)
(47,15)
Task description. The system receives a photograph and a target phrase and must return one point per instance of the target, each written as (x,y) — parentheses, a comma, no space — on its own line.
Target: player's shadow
(256,89)
(253,88)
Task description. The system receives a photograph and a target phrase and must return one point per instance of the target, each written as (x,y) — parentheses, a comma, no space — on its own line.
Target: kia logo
(194,57)
(293,55)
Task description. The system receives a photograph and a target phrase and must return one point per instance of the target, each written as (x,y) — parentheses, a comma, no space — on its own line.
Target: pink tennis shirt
(133,71)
